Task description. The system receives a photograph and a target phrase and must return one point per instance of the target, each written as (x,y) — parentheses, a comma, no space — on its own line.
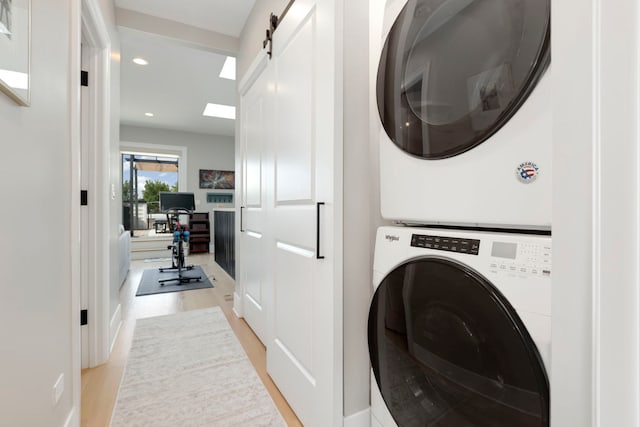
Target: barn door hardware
(273,24)
(274,21)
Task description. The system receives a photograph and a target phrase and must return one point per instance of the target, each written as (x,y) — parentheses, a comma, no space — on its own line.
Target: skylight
(221,111)
(229,69)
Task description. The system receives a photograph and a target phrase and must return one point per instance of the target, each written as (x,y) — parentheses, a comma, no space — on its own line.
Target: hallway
(100,384)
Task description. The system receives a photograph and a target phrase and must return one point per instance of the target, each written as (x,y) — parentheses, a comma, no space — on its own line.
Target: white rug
(188,369)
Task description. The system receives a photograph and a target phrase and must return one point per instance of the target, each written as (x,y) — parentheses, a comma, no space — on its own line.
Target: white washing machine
(463,98)
(460,329)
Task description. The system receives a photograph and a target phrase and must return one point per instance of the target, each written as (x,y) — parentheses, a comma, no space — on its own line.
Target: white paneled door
(257,117)
(290,278)
(304,351)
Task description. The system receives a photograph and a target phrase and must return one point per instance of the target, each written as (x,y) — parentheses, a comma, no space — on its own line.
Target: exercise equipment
(180,235)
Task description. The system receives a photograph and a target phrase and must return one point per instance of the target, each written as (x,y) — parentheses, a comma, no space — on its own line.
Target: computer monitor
(170,200)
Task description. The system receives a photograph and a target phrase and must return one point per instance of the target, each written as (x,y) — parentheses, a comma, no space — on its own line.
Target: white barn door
(257,118)
(304,353)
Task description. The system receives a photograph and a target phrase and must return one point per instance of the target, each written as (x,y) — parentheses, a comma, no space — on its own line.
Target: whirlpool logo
(391,238)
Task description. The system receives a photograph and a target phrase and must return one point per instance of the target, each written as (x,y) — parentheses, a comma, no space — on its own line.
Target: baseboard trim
(237,308)
(114,327)
(359,419)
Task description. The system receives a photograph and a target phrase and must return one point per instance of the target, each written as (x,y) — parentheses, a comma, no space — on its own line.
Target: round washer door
(447,349)
(453,72)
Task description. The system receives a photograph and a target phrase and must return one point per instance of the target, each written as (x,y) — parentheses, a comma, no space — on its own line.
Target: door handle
(318,256)
(241,222)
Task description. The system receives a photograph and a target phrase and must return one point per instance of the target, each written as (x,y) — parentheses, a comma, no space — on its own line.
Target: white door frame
(85,250)
(96,243)
(85,17)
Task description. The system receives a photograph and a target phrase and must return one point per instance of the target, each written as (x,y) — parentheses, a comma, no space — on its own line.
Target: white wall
(358,206)
(595,372)
(203,152)
(35,309)
(115,203)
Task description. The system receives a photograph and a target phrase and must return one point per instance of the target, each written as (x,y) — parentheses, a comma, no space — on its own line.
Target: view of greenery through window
(150,192)
(153,175)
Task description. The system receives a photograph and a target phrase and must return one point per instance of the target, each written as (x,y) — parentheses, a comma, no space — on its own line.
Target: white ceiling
(180,78)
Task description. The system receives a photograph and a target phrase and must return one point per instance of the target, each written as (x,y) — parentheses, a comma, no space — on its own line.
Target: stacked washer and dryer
(460,320)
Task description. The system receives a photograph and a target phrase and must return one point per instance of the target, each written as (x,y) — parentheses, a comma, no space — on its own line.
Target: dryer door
(453,72)
(447,349)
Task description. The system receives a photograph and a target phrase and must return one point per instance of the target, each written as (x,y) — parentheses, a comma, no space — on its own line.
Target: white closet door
(304,352)
(254,273)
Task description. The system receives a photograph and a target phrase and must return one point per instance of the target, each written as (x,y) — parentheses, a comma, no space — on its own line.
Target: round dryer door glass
(447,349)
(453,72)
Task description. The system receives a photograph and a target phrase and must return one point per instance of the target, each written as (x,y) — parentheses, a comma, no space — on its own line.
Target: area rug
(188,369)
(149,284)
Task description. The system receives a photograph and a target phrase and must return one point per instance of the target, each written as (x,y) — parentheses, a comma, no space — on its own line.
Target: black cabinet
(224,240)
(200,234)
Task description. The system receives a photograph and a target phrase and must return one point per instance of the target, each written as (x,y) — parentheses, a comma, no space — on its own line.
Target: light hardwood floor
(100,384)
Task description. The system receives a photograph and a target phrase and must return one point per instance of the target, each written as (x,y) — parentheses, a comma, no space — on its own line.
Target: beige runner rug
(188,369)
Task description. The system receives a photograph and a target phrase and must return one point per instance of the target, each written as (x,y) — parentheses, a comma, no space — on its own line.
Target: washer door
(447,349)
(453,72)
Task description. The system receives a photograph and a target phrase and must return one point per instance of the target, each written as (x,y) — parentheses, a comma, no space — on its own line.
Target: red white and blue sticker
(527,172)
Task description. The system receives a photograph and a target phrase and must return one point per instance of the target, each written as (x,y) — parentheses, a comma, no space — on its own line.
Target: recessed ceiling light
(148,114)
(229,69)
(222,111)
(140,61)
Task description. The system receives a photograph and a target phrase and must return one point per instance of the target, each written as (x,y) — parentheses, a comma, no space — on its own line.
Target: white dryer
(463,96)
(460,329)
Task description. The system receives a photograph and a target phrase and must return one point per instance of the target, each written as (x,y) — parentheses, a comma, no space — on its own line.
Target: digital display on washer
(450,244)
(504,250)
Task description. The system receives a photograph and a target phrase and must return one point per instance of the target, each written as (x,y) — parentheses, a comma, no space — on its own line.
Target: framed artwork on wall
(15,50)
(219,180)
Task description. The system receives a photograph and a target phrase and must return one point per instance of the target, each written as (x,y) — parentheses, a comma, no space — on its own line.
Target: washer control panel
(528,259)
(449,244)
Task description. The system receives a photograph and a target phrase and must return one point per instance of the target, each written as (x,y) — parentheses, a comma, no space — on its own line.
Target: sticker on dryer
(527,172)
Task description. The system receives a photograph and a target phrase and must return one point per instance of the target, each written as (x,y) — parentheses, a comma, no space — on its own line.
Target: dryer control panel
(449,244)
